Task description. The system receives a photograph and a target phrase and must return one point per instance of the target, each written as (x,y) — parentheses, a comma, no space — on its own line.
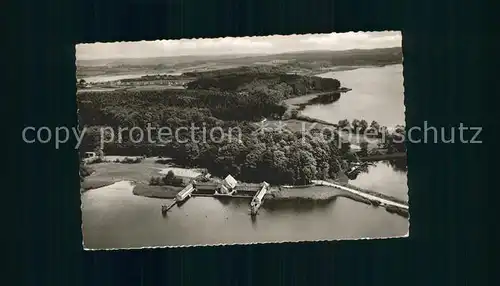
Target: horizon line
(242,55)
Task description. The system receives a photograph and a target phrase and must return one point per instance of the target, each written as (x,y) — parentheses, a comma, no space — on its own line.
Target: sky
(244,45)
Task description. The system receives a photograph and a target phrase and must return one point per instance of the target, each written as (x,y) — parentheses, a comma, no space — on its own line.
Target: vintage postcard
(242,140)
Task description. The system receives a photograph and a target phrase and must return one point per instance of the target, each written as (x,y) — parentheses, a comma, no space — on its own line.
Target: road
(362,194)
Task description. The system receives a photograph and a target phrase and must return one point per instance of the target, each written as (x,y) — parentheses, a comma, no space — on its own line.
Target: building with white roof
(228,184)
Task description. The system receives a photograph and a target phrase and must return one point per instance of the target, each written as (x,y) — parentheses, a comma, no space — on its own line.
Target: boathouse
(228,185)
(182,195)
(260,195)
(258,199)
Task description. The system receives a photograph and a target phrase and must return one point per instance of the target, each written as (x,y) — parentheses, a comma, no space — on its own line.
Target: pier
(222,195)
(166,208)
(258,199)
(182,196)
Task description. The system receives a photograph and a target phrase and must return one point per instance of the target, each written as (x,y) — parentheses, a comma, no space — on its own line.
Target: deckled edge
(247,244)
(228,37)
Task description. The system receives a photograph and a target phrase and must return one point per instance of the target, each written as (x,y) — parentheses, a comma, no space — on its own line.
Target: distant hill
(351,55)
(154,60)
(348,57)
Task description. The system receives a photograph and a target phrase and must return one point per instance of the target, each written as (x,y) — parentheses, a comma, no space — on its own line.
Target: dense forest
(254,79)
(291,158)
(233,94)
(276,158)
(225,99)
(137,108)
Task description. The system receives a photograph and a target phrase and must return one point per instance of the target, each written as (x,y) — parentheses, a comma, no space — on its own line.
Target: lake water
(377,94)
(114,218)
(384,179)
(106,78)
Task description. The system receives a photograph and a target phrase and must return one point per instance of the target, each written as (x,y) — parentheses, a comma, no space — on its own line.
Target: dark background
(447,80)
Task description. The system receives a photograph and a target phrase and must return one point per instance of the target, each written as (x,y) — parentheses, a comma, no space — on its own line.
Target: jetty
(362,194)
(181,197)
(222,195)
(166,208)
(258,199)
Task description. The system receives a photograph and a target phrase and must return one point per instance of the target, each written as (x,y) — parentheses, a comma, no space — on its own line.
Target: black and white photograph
(220,141)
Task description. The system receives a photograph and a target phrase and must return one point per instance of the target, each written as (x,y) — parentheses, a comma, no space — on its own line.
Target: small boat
(254,208)
(253,211)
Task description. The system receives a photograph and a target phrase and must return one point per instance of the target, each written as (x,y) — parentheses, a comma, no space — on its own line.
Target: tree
(307,171)
(304,166)
(228,158)
(344,124)
(279,168)
(345,147)
(374,125)
(335,167)
(384,132)
(170,175)
(192,153)
(395,140)
(321,154)
(356,124)
(364,148)
(208,152)
(363,125)
(172,180)
(84,172)
(253,161)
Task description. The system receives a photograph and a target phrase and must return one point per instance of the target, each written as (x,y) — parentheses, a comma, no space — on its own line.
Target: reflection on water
(296,205)
(377,94)
(254,222)
(325,98)
(226,201)
(382,178)
(118,219)
(398,165)
(321,99)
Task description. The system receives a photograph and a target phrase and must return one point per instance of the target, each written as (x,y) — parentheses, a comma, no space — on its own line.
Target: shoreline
(373,193)
(89,185)
(156,192)
(275,195)
(331,196)
(295,105)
